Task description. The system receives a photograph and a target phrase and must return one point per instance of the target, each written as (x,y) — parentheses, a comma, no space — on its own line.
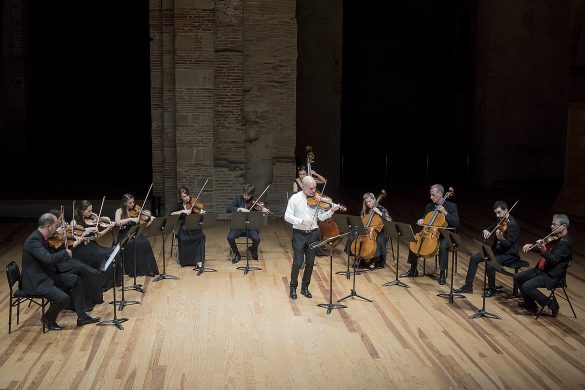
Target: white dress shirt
(297,210)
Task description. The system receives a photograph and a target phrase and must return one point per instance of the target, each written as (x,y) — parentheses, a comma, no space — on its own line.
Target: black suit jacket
(557,260)
(38,264)
(452,217)
(509,246)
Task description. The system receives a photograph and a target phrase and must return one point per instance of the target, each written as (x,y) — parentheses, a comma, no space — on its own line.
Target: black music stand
(402,232)
(329,306)
(136,286)
(196,222)
(158,226)
(132,233)
(355,223)
(489,260)
(115,321)
(454,241)
(342,224)
(247,221)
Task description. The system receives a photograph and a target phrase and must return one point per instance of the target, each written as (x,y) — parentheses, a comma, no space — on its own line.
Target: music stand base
(124,303)
(135,287)
(348,273)
(247,269)
(396,283)
(483,313)
(331,306)
(165,276)
(352,294)
(450,296)
(201,270)
(115,321)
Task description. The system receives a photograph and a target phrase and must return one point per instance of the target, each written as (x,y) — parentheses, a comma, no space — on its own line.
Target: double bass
(365,245)
(427,240)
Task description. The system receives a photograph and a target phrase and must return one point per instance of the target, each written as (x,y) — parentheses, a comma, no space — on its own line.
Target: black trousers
(302,254)
(529,283)
(66,290)
(253,235)
(477,259)
(443,255)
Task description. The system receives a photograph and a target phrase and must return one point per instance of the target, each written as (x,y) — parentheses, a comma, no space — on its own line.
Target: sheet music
(111,258)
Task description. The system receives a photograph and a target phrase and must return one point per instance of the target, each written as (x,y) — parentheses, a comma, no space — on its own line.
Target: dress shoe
(490,292)
(441,279)
(305,291)
(464,289)
(412,273)
(554,307)
(199,265)
(293,293)
(372,266)
(51,325)
(253,253)
(87,320)
(527,306)
(236,257)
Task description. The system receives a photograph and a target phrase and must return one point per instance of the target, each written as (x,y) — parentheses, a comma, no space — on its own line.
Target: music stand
(355,222)
(342,224)
(454,242)
(489,260)
(157,226)
(402,232)
(247,221)
(115,321)
(196,222)
(329,306)
(136,286)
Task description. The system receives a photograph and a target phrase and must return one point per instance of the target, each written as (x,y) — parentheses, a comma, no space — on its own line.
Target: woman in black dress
(139,247)
(191,242)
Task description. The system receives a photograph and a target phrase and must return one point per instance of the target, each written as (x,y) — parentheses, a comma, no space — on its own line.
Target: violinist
(556,253)
(242,204)
(304,217)
(191,242)
(145,260)
(504,246)
(301,173)
(91,253)
(379,259)
(449,210)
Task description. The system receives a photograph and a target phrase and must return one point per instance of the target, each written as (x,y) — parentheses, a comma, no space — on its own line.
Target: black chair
(561,283)
(17,296)
(516,265)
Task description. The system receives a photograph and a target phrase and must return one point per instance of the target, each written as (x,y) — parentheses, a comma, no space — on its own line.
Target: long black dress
(145,260)
(191,242)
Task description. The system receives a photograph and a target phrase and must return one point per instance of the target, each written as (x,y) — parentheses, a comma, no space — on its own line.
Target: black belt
(305,231)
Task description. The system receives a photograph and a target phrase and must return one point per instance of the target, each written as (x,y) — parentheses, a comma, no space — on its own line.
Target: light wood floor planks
(227,330)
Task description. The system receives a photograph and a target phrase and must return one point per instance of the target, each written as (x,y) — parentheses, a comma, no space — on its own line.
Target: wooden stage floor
(230,330)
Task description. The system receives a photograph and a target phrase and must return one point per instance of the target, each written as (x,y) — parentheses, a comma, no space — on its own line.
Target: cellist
(449,210)
(369,201)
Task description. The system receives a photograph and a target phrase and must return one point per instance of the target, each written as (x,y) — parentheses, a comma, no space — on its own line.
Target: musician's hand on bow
(486,234)
(420,222)
(526,248)
(243,210)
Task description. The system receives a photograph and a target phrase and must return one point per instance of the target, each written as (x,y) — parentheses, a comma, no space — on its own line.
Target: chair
(561,283)
(516,265)
(17,295)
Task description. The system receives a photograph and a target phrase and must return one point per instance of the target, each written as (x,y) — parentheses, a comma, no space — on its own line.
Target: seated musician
(449,210)
(239,204)
(504,246)
(556,255)
(191,242)
(39,276)
(301,173)
(379,260)
(145,262)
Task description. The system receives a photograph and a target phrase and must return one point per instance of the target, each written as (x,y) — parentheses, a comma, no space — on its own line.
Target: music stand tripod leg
(115,321)
(396,282)
(247,268)
(353,292)
(123,302)
(164,274)
(135,286)
(330,306)
(482,312)
(451,295)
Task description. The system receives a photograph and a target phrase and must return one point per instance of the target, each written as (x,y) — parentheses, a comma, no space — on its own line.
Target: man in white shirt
(305,231)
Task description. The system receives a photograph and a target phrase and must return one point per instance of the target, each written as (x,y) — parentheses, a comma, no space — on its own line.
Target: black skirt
(140,249)
(95,256)
(191,246)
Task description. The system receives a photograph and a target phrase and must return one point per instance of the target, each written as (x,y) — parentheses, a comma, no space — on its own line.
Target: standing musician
(40,275)
(301,173)
(241,204)
(556,253)
(449,210)
(379,259)
(505,248)
(145,260)
(305,231)
(191,242)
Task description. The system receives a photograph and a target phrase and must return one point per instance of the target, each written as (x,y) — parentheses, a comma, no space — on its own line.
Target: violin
(145,215)
(255,204)
(503,223)
(104,223)
(553,236)
(68,236)
(195,206)
(323,201)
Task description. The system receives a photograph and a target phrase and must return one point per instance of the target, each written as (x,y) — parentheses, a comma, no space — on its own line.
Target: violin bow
(97,224)
(502,219)
(201,190)
(257,199)
(63,226)
(319,202)
(143,203)
(544,239)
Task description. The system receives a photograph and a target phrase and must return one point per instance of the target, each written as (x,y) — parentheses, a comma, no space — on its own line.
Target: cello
(365,245)
(427,240)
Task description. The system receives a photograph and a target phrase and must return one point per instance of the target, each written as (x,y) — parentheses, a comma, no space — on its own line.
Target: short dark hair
(46,219)
(500,204)
(249,189)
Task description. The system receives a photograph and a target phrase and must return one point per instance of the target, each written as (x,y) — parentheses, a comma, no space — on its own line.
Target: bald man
(305,231)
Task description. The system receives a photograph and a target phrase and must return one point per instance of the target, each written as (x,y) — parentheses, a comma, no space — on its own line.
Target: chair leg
(18,311)
(570,304)
(10,305)
(551,296)
(43,304)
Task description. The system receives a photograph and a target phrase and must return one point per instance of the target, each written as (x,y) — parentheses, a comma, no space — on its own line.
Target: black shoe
(441,279)
(253,253)
(51,325)
(412,273)
(490,292)
(305,291)
(236,257)
(293,292)
(554,307)
(530,307)
(87,320)
(464,289)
